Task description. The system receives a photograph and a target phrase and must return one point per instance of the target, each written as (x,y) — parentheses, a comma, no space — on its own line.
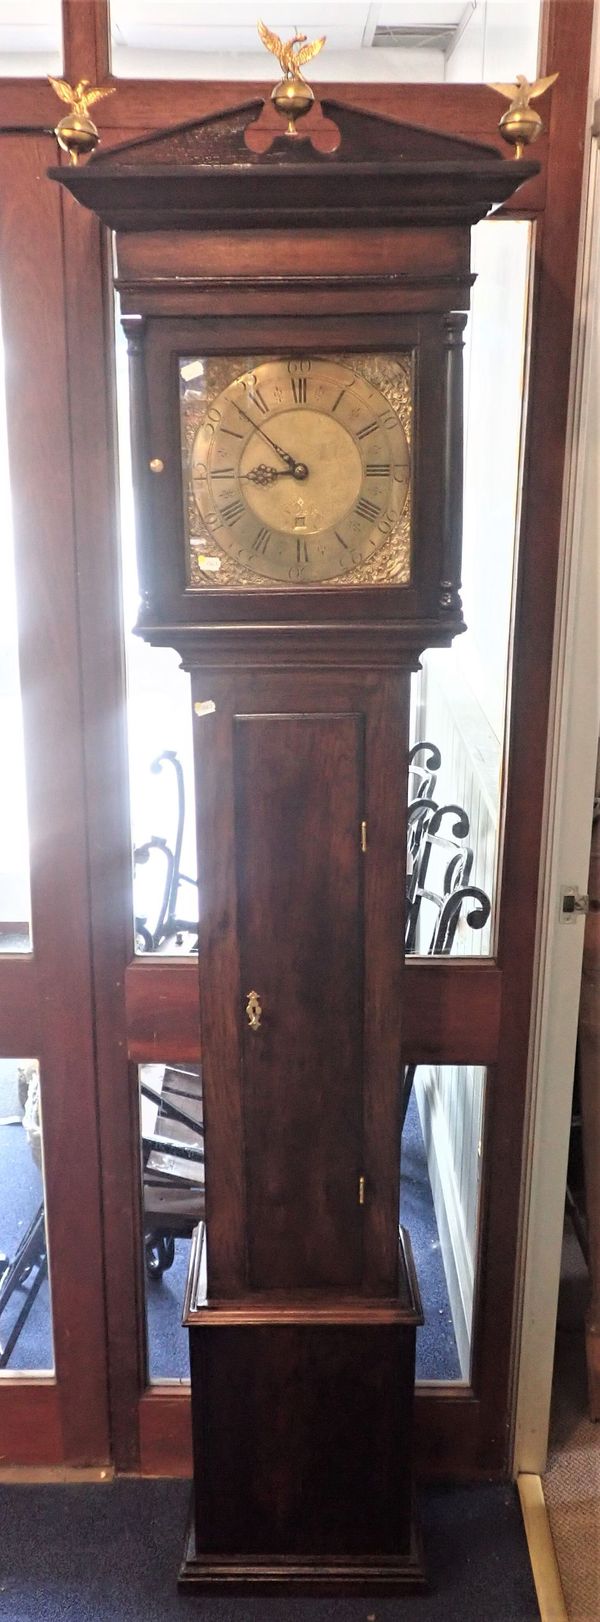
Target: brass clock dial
(297,470)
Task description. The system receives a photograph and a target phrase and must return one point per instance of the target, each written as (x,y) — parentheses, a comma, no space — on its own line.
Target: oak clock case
(297,455)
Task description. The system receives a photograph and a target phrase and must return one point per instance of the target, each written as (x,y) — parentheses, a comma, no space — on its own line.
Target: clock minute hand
(298,469)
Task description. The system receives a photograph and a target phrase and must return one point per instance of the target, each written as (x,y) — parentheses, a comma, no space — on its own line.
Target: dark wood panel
(20,1026)
(299,798)
(385,881)
(451,1011)
(31,274)
(196,255)
(220,985)
(302,1445)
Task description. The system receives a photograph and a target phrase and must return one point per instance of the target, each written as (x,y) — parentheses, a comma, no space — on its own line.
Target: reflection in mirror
(25,1309)
(30,38)
(368,41)
(459,699)
(172,1134)
(161,770)
(440,1182)
(15,915)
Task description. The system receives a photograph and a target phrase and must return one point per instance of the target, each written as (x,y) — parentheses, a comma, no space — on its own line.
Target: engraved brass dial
(297,470)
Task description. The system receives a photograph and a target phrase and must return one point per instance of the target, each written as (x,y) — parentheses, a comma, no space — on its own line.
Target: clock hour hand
(298,470)
(267,475)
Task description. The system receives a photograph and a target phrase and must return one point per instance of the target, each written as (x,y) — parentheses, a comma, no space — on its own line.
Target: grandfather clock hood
(198,174)
(298,250)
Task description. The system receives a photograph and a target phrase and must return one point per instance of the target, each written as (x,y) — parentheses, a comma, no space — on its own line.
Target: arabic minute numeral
(298,372)
(367,509)
(233,511)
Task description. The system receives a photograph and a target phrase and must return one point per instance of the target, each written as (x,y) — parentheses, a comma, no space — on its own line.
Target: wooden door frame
(571,774)
(150,1427)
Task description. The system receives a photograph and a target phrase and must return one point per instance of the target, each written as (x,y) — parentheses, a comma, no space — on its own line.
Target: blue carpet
(111,1553)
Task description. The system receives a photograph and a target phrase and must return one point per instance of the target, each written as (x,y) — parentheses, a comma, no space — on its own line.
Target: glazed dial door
(297,471)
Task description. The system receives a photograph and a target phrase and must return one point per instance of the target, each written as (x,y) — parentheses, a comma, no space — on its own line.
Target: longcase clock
(295,323)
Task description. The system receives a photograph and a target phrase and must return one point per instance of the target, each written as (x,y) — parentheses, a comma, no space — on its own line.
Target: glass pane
(15,914)
(30,38)
(460,696)
(160,750)
(25,1309)
(403,40)
(173,1202)
(441,1158)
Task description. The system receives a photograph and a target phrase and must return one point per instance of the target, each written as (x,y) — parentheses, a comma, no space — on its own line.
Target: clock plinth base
(302,1418)
(202,1573)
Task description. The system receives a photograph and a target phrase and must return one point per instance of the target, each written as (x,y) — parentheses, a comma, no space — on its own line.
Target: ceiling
(349,25)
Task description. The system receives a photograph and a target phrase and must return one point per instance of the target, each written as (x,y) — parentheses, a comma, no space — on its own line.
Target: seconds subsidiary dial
(297,470)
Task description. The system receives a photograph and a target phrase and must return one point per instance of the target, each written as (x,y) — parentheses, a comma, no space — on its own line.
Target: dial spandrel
(297,470)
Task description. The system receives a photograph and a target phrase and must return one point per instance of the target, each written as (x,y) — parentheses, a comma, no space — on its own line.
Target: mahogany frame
(68,1004)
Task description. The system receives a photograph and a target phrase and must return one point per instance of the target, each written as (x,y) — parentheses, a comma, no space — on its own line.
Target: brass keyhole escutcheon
(254,1010)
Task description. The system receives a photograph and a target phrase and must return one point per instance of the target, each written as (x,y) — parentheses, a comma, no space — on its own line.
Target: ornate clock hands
(298,470)
(267,475)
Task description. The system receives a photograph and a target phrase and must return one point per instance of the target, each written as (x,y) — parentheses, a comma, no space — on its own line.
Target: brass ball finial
(521,124)
(292,96)
(76,133)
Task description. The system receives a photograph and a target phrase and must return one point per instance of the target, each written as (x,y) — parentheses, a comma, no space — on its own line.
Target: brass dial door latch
(254,1010)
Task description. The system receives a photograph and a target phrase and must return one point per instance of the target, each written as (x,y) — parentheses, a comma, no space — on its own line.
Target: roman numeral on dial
(301,552)
(378,470)
(256,398)
(370,428)
(223,473)
(261,540)
(299,385)
(367,509)
(233,511)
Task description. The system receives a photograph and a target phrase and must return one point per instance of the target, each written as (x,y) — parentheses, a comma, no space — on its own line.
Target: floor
(571,1481)
(110,1553)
